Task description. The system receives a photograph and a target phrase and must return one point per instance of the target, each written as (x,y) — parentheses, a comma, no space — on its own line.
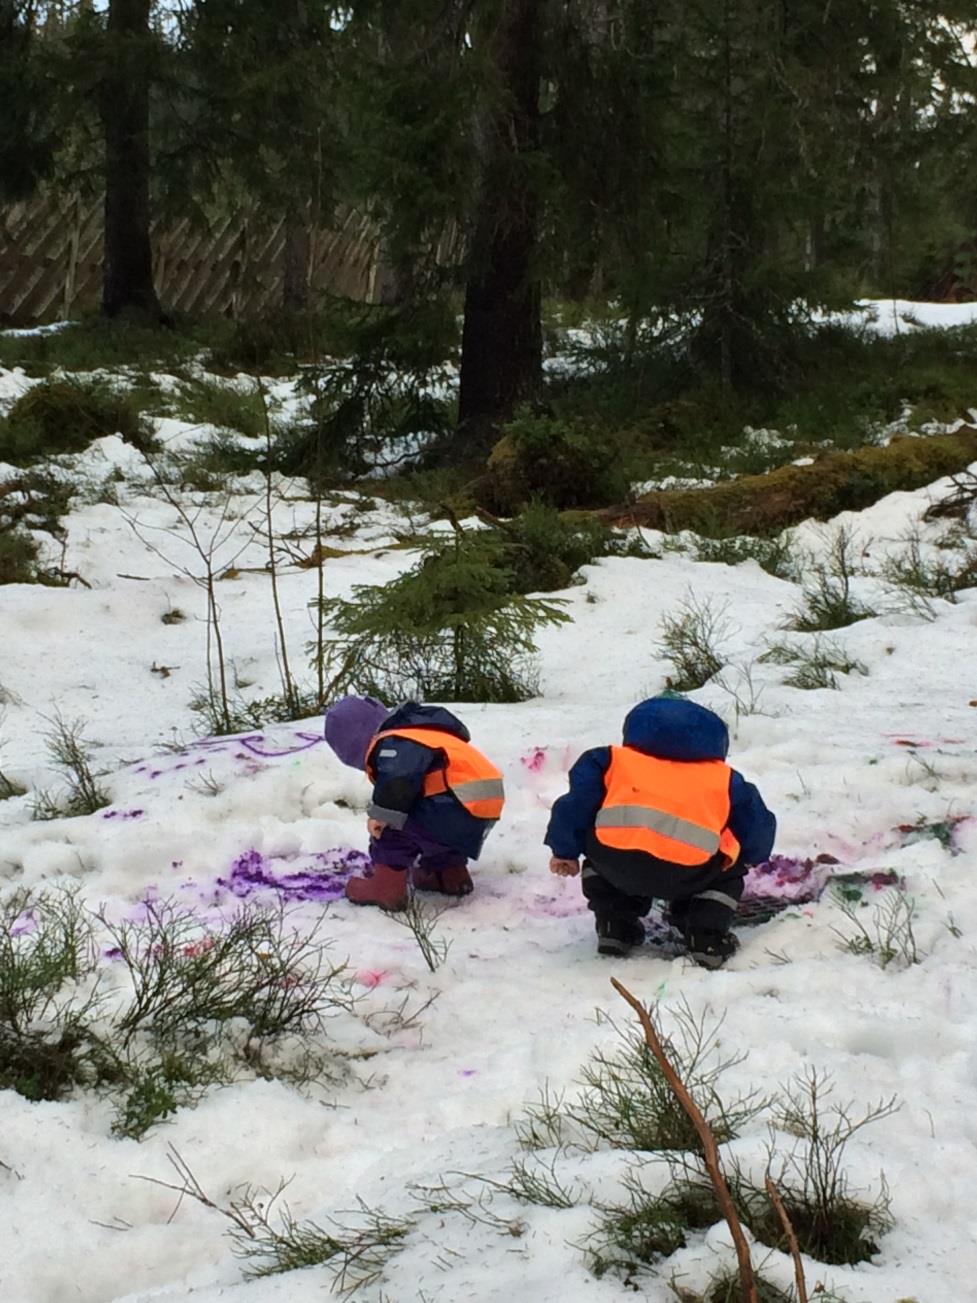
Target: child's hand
(374,827)
(564,868)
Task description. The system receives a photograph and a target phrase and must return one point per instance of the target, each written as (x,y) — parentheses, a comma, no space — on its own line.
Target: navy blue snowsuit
(622,884)
(400,766)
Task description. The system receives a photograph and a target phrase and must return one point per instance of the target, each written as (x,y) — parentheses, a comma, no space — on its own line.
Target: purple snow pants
(403,848)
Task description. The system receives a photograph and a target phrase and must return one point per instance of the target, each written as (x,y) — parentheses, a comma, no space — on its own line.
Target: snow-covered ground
(865,774)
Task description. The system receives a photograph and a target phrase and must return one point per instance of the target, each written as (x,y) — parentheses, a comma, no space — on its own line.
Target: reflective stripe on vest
(469,776)
(675,810)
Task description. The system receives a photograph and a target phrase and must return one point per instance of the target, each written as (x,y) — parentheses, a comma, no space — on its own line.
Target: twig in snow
(774,1196)
(710,1150)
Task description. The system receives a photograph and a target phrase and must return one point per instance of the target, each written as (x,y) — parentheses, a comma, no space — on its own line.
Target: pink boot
(455,881)
(385,887)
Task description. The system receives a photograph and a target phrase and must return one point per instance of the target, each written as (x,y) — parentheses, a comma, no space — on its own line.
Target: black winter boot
(710,949)
(618,936)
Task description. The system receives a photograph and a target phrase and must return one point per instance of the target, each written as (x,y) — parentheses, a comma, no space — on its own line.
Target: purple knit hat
(350,725)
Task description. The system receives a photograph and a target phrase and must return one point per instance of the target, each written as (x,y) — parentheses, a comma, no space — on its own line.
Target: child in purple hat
(435,797)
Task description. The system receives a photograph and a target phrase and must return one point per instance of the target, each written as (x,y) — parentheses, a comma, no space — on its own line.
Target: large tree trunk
(296,289)
(127,279)
(501,357)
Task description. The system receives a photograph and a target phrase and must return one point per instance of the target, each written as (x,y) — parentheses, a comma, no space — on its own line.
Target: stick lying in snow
(773,1194)
(710,1150)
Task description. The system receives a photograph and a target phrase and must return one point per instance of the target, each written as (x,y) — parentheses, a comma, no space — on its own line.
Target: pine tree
(27,139)
(450,629)
(263,110)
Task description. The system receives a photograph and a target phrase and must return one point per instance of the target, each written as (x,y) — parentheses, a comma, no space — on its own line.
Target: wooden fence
(51,262)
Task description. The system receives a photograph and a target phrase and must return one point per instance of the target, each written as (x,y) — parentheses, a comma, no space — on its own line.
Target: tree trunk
(127,278)
(295,264)
(501,357)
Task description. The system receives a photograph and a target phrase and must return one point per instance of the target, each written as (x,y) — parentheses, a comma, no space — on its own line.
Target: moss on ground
(834,482)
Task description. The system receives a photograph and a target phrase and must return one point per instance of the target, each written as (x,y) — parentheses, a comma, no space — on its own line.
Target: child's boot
(618,936)
(385,887)
(711,949)
(453,881)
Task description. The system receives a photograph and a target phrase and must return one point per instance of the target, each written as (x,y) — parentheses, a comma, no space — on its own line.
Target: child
(435,797)
(662,816)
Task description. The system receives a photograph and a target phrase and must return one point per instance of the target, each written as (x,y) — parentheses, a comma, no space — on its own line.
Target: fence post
(71,270)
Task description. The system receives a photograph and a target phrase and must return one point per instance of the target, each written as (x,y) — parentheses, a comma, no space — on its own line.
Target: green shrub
(920,581)
(18,557)
(543,549)
(212,402)
(828,600)
(48,1003)
(242,716)
(727,1288)
(555,461)
(831,1223)
(275,342)
(9,788)
(207,467)
(383,402)
(648,1228)
(816,666)
(355,1255)
(693,641)
(774,555)
(59,416)
(68,749)
(451,629)
(98,343)
(202,1005)
(625,1101)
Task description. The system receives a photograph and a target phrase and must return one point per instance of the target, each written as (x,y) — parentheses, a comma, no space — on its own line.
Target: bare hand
(564,868)
(374,827)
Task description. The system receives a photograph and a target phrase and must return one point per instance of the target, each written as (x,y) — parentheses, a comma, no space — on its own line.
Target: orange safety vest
(676,810)
(470,778)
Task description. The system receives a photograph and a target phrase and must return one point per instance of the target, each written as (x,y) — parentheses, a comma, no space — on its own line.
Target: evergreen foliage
(450,629)
(381,402)
(555,461)
(27,143)
(717,171)
(65,416)
(543,548)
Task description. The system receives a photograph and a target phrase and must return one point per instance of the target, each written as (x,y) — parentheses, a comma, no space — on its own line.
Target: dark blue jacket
(671,729)
(400,766)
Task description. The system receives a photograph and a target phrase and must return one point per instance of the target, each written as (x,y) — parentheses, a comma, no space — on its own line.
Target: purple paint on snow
(567,904)
(309,740)
(252,872)
(24,923)
(788,879)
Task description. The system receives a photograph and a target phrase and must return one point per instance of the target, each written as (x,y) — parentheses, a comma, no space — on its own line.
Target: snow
(899,316)
(860,774)
(50,329)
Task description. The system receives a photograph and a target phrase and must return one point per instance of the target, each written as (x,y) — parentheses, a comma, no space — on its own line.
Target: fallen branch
(710,1150)
(773,1194)
(190,1186)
